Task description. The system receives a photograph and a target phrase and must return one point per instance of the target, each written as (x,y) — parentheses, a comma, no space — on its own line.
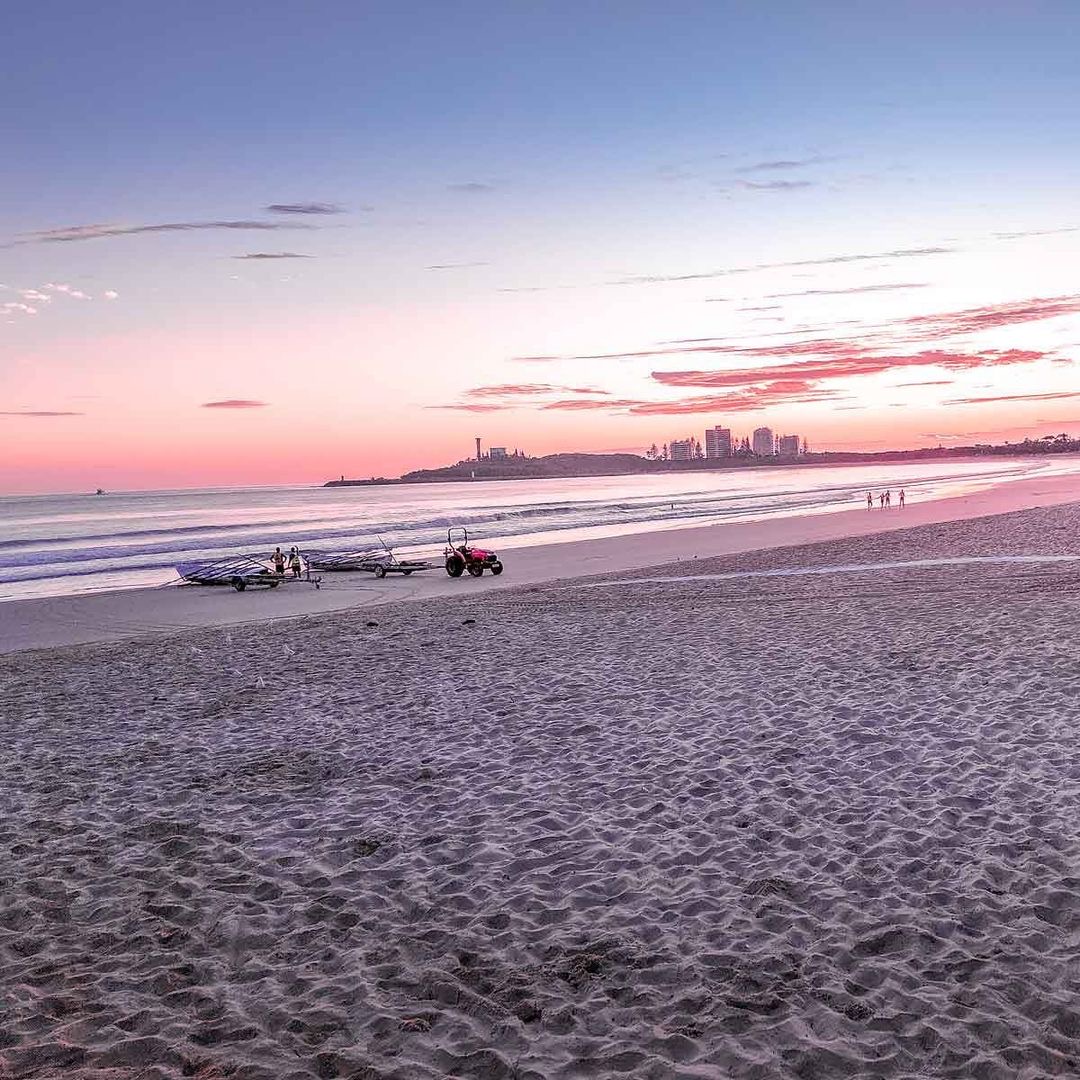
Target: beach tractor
(460,556)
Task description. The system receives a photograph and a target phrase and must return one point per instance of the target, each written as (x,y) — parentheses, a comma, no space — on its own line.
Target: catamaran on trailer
(373,561)
(239,571)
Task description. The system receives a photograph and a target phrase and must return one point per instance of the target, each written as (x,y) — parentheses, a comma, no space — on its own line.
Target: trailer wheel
(455,566)
(274,584)
(496,568)
(380,571)
(239,584)
(476,569)
(406,572)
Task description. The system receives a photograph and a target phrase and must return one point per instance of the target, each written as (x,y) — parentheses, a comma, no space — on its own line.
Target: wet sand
(778,825)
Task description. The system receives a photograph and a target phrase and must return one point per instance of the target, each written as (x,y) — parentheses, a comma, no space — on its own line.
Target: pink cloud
(839,366)
(976,320)
(40,413)
(1013,397)
(581,404)
(782,392)
(234,403)
(528,390)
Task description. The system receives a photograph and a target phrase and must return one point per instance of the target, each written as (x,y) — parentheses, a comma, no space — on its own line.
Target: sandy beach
(768,819)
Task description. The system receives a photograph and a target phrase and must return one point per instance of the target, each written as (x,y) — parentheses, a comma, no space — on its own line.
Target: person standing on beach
(869,501)
(901,498)
(881,500)
(279,562)
(888,497)
(294,563)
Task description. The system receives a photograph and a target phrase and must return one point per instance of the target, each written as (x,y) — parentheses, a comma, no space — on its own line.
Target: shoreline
(57,622)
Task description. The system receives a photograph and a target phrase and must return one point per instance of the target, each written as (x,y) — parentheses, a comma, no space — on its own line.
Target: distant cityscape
(719,443)
(718,450)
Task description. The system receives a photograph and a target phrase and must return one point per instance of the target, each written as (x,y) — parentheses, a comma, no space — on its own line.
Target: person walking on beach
(294,563)
(279,562)
(901,498)
(869,501)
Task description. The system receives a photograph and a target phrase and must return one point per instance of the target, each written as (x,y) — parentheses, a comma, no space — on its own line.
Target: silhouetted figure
(881,500)
(901,498)
(888,497)
(294,563)
(279,562)
(869,501)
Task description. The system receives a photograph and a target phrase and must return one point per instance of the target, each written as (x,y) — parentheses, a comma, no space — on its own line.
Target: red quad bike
(460,557)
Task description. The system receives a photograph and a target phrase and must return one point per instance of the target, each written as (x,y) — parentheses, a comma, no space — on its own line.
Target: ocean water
(62,544)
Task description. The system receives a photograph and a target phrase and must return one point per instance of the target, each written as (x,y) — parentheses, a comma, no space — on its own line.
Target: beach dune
(803,825)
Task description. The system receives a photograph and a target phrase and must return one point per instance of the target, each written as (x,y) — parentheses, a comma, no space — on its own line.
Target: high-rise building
(681,449)
(717,442)
(762,442)
(789,446)
(497,453)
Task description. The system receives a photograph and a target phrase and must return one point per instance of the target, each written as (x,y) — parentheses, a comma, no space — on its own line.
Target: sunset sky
(264,243)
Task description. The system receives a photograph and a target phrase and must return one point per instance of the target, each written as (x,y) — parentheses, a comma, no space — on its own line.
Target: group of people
(884,499)
(280,560)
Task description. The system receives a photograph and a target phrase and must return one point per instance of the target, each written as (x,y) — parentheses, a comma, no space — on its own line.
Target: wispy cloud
(858,362)
(763,307)
(234,403)
(472,187)
(580,404)
(273,255)
(40,413)
(829,260)
(34,300)
(305,208)
(929,382)
(915,328)
(97,232)
(455,266)
(854,289)
(993,316)
(66,290)
(475,406)
(752,399)
(533,359)
(1037,232)
(530,390)
(775,185)
(1013,397)
(783,164)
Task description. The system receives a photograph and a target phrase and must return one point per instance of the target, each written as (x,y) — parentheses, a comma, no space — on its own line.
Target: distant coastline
(569,466)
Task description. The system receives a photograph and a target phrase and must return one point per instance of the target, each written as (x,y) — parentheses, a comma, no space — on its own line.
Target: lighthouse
(477,447)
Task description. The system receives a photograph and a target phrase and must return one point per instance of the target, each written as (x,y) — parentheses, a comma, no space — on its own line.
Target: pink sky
(584,260)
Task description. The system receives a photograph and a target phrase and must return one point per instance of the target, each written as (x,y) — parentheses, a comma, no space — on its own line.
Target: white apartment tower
(789,446)
(717,442)
(762,442)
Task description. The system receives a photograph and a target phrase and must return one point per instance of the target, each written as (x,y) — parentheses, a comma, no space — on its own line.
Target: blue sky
(553,161)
